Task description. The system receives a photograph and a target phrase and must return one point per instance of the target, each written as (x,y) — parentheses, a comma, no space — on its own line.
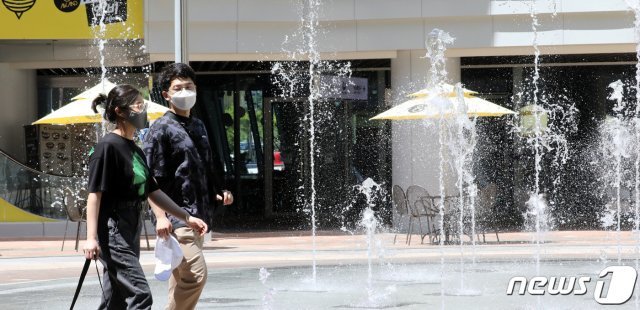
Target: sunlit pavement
(28,264)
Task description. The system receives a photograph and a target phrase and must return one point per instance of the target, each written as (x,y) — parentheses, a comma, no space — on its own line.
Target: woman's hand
(197,224)
(160,202)
(163,227)
(91,249)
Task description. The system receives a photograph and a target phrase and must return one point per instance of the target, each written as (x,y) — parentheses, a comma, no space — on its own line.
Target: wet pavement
(35,274)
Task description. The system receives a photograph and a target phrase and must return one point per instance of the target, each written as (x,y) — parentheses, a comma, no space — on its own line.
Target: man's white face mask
(184,99)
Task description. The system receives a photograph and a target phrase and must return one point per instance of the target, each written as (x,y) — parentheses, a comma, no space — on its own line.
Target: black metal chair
(75,207)
(76,212)
(144,215)
(431,210)
(485,217)
(400,204)
(418,198)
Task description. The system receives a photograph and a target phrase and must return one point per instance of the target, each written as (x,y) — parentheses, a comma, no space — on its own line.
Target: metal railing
(35,191)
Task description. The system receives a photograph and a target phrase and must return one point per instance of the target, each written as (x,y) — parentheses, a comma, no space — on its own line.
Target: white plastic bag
(168,257)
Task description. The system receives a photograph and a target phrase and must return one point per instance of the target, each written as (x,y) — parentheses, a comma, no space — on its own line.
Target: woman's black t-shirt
(117,169)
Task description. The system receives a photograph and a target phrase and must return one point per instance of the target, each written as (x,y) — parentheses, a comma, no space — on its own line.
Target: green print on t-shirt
(117,166)
(139,174)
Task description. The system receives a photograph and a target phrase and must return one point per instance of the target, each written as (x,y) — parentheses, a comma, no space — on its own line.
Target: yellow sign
(11,213)
(71,19)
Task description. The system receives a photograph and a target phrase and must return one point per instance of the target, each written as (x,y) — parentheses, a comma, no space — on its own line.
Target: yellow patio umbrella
(447,89)
(79,110)
(426,104)
(104,87)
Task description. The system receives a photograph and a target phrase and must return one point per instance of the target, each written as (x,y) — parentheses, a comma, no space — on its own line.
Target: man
(179,157)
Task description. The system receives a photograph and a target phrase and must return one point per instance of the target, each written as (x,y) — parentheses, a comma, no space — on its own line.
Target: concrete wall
(18,105)
(416,157)
(57,229)
(225,30)
(42,54)
(255,30)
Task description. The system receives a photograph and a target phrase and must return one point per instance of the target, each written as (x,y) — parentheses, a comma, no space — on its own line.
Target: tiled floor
(35,266)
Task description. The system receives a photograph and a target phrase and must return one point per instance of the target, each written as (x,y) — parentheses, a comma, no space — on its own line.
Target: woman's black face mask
(137,119)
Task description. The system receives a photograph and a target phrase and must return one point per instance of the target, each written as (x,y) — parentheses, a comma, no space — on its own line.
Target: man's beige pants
(188,279)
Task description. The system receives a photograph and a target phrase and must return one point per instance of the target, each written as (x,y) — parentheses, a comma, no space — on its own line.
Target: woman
(119,181)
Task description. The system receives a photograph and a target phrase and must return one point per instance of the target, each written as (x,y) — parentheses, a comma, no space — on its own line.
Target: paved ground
(26,265)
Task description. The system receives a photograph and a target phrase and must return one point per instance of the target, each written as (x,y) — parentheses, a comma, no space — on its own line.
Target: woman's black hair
(174,71)
(120,96)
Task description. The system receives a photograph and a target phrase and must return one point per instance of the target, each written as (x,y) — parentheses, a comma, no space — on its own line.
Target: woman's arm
(91,246)
(163,225)
(162,201)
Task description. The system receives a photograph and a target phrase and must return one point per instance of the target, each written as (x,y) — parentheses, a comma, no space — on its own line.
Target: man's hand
(163,227)
(91,249)
(228,198)
(197,225)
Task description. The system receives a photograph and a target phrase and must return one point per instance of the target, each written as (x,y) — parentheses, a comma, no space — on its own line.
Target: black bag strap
(85,268)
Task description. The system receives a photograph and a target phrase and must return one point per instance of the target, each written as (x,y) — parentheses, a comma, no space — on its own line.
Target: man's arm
(215,175)
(155,150)
(159,201)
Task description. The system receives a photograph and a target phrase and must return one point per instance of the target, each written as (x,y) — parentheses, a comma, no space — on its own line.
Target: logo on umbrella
(18,6)
(417,108)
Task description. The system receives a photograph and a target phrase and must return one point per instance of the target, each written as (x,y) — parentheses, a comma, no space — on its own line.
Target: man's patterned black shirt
(179,157)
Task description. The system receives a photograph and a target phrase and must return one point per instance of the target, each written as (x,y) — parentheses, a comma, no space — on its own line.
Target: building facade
(232,44)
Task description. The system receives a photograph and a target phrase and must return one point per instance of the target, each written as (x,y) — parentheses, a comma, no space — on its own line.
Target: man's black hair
(174,71)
